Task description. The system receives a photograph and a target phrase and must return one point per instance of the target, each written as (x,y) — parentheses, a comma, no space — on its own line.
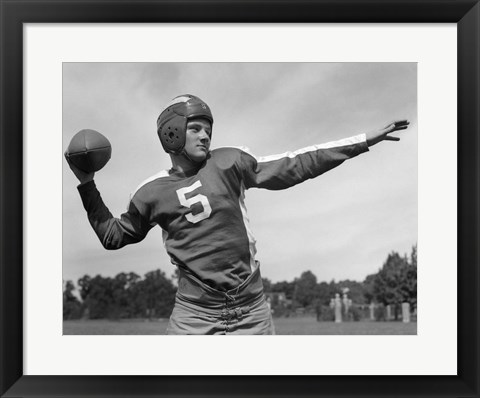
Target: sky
(341,225)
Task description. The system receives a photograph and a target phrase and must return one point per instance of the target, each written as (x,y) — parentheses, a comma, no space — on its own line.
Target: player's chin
(199,155)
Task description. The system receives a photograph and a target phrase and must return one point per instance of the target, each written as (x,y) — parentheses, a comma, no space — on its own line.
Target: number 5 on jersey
(202,199)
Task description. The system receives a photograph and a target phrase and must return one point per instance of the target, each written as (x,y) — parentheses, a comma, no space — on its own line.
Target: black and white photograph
(239,198)
(301,177)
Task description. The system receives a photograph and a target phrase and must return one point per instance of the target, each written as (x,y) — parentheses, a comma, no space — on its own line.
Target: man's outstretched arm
(291,168)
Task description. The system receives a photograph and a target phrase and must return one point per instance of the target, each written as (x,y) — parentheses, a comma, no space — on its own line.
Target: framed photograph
(278,77)
(294,105)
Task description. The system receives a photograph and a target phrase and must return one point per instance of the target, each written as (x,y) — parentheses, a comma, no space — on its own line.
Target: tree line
(123,296)
(394,283)
(127,295)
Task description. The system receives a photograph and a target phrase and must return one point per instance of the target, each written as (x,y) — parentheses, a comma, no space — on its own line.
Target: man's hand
(376,136)
(82,176)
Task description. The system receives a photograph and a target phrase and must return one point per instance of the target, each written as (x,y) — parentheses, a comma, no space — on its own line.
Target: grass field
(283,326)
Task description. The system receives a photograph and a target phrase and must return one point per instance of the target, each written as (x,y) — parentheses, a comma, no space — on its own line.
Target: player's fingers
(395,124)
(403,122)
(70,164)
(400,128)
(390,138)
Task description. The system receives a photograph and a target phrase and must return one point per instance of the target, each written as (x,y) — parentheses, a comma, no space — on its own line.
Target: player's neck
(180,163)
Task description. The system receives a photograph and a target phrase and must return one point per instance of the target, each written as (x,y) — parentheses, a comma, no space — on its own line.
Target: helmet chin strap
(184,153)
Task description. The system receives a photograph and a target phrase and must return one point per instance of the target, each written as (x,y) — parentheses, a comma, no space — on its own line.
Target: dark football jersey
(202,213)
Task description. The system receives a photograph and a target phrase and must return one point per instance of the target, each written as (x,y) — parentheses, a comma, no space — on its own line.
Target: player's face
(197,143)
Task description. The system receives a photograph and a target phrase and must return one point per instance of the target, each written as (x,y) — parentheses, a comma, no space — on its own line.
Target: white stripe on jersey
(334,144)
(246,222)
(160,174)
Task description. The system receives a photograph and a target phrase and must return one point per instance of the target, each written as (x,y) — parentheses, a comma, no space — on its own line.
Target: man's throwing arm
(113,233)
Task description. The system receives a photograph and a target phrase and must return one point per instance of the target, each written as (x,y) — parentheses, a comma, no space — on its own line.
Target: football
(89,150)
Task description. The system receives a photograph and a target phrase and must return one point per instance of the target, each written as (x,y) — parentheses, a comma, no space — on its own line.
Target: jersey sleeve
(288,169)
(114,233)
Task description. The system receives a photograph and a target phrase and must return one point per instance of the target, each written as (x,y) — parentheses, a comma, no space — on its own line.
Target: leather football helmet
(172,122)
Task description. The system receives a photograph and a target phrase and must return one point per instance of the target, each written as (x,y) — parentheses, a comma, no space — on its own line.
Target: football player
(199,204)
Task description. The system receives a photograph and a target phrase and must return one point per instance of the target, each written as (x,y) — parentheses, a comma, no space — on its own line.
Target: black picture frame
(14,13)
